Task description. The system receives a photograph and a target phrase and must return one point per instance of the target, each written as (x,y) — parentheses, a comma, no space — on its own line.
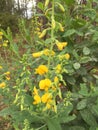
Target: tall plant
(54,84)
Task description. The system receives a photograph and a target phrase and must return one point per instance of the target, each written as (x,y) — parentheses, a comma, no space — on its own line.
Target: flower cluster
(48,88)
(61,45)
(7,75)
(4,43)
(43,94)
(4,78)
(45,52)
(64,56)
(42,69)
(2,85)
(45,84)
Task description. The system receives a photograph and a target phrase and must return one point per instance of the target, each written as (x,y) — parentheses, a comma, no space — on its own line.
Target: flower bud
(42,34)
(53,24)
(61,7)
(46,3)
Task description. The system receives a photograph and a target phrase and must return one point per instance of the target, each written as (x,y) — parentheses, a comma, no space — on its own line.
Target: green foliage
(67,44)
(9,20)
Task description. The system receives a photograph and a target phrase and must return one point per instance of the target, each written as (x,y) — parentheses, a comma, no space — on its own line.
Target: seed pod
(42,34)
(53,24)
(46,3)
(61,7)
(61,27)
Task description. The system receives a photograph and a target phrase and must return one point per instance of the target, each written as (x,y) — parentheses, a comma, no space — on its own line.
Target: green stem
(41,127)
(5,56)
(52,35)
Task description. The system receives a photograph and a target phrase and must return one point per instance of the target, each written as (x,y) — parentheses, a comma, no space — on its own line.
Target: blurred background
(12,10)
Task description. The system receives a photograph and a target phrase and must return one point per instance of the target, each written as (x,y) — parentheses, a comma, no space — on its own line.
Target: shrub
(53,84)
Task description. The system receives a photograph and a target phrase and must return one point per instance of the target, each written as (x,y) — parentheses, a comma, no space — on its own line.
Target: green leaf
(75,54)
(15,48)
(95,36)
(71,80)
(48,40)
(76,65)
(91,13)
(88,117)
(92,128)
(77,24)
(69,32)
(79,33)
(67,119)
(86,51)
(65,115)
(84,90)
(6,111)
(85,59)
(69,2)
(96,76)
(95,109)
(82,104)
(65,110)
(76,128)
(40,5)
(53,124)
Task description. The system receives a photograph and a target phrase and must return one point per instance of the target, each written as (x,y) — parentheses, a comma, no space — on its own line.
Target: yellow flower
(54,88)
(47,52)
(56,79)
(42,69)
(37,99)
(5,43)
(37,54)
(8,77)
(64,44)
(7,73)
(35,91)
(2,85)
(48,106)
(61,45)
(46,98)
(1,67)
(58,68)
(67,56)
(45,84)
(1,33)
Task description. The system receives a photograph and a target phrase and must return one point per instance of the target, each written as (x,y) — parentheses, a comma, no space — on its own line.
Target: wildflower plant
(43,89)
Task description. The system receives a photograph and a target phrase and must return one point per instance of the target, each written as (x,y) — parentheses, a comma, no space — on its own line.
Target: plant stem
(41,127)
(52,35)
(5,56)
